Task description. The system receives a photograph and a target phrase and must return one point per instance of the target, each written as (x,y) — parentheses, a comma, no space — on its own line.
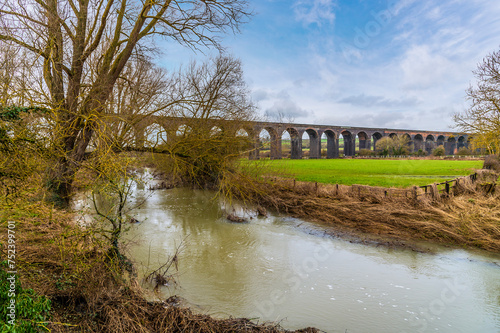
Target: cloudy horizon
(392,64)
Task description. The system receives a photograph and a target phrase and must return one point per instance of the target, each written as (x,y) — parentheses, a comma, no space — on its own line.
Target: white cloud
(314,11)
(423,68)
(282,107)
(413,75)
(400,5)
(379,101)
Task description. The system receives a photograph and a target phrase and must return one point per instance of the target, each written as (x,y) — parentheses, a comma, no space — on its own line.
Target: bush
(396,146)
(366,152)
(400,151)
(464,151)
(491,162)
(439,151)
(420,152)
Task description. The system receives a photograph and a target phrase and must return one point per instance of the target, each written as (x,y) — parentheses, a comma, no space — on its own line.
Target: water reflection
(272,269)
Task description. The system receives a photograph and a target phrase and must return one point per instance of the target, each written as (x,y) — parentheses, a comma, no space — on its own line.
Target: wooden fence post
(434,191)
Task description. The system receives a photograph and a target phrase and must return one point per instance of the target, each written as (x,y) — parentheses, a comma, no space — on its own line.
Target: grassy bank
(80,287)
(469,220)
(374,172)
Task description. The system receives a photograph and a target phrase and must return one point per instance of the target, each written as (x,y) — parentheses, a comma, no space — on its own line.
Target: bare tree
(213,99)
(482,118)
(142,90)
(207,96)
(213,90)
(81,49)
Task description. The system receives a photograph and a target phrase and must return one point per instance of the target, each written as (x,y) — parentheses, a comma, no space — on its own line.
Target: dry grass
(470,218)
(89,293)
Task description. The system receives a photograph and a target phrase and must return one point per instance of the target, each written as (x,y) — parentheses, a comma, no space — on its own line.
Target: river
(284,270)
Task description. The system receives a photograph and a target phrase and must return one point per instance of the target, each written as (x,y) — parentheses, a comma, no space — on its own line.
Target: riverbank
(89,293)
(86,289)
(470,220)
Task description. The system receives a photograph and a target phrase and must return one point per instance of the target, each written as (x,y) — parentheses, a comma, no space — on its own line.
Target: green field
(385,173)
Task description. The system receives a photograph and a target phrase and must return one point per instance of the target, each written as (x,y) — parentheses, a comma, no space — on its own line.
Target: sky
(401,64)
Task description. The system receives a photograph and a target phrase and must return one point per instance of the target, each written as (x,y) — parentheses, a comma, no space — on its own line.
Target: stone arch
(154,135)
(393,135)
(295,142)
(364,141)
(267,139)
(348,143)
(462,142)
(450,145)
(429,144)
(376,136)
(418,142)
(314,143)
(183,130)
(332,144)
(246,141)
(440,140)
(243,132)
(216,130)
(122,132)
(409,142)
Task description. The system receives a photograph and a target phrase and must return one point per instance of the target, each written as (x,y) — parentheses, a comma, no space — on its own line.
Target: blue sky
(396,64)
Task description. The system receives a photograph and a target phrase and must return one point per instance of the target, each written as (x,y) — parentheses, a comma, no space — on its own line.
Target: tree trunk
(60,179)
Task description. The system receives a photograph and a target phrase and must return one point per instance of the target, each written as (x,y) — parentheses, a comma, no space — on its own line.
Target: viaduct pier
(365,137)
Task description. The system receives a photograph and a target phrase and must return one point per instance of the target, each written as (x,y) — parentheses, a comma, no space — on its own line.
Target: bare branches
(162,276)
(214,90)
(482,118)
(81,48)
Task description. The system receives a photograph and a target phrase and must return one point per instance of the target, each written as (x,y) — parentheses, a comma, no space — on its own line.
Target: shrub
(464,151)
(366,152)
(400,151)
(396,146)
(439,151)
(491,162)
(420,152)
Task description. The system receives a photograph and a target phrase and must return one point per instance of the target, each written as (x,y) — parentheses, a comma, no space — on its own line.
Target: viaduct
(366,137)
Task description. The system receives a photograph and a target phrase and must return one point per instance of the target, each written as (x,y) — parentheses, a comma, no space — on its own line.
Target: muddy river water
(284,270)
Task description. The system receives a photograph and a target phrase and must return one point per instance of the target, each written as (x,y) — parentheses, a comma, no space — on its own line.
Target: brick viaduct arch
(366,137)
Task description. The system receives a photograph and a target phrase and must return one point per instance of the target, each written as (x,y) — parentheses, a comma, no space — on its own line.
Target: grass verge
(374,172)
